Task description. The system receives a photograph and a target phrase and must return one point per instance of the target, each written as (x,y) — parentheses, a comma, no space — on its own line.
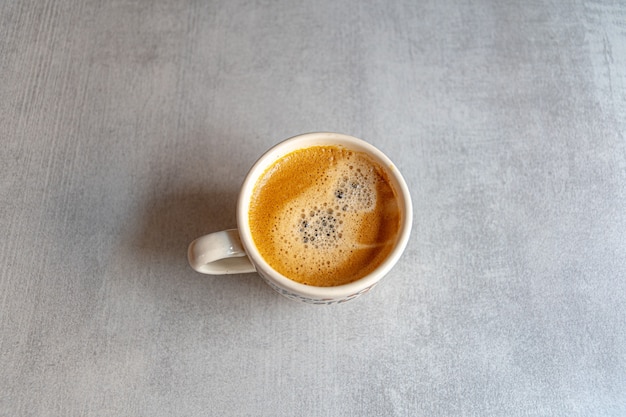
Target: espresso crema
(324,215)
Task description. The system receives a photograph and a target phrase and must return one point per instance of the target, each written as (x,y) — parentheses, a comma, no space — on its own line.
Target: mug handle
(219,253)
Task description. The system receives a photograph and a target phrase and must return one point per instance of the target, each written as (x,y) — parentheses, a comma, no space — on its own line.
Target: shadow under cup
(308,293)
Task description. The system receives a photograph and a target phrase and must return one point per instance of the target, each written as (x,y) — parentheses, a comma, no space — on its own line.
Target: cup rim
(307,140)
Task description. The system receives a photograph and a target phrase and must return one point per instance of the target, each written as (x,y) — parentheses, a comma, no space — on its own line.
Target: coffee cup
(321,217)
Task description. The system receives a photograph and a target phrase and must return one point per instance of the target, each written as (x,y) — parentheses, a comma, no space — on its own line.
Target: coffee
(324,215)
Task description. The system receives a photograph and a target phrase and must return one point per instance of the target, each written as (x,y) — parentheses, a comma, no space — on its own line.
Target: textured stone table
(128,126)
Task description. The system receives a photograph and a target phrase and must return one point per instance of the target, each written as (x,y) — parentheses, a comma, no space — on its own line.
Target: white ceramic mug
(233,251)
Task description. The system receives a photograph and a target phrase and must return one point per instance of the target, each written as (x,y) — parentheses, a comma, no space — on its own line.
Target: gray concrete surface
(128,126)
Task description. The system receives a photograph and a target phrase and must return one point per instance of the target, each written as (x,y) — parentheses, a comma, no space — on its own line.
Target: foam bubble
(355,189)
(320,229)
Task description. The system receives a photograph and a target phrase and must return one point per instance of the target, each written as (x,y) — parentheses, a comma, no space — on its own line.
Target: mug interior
(306,141)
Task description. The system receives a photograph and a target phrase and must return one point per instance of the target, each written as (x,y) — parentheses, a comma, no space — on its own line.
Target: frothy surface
(324,215)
